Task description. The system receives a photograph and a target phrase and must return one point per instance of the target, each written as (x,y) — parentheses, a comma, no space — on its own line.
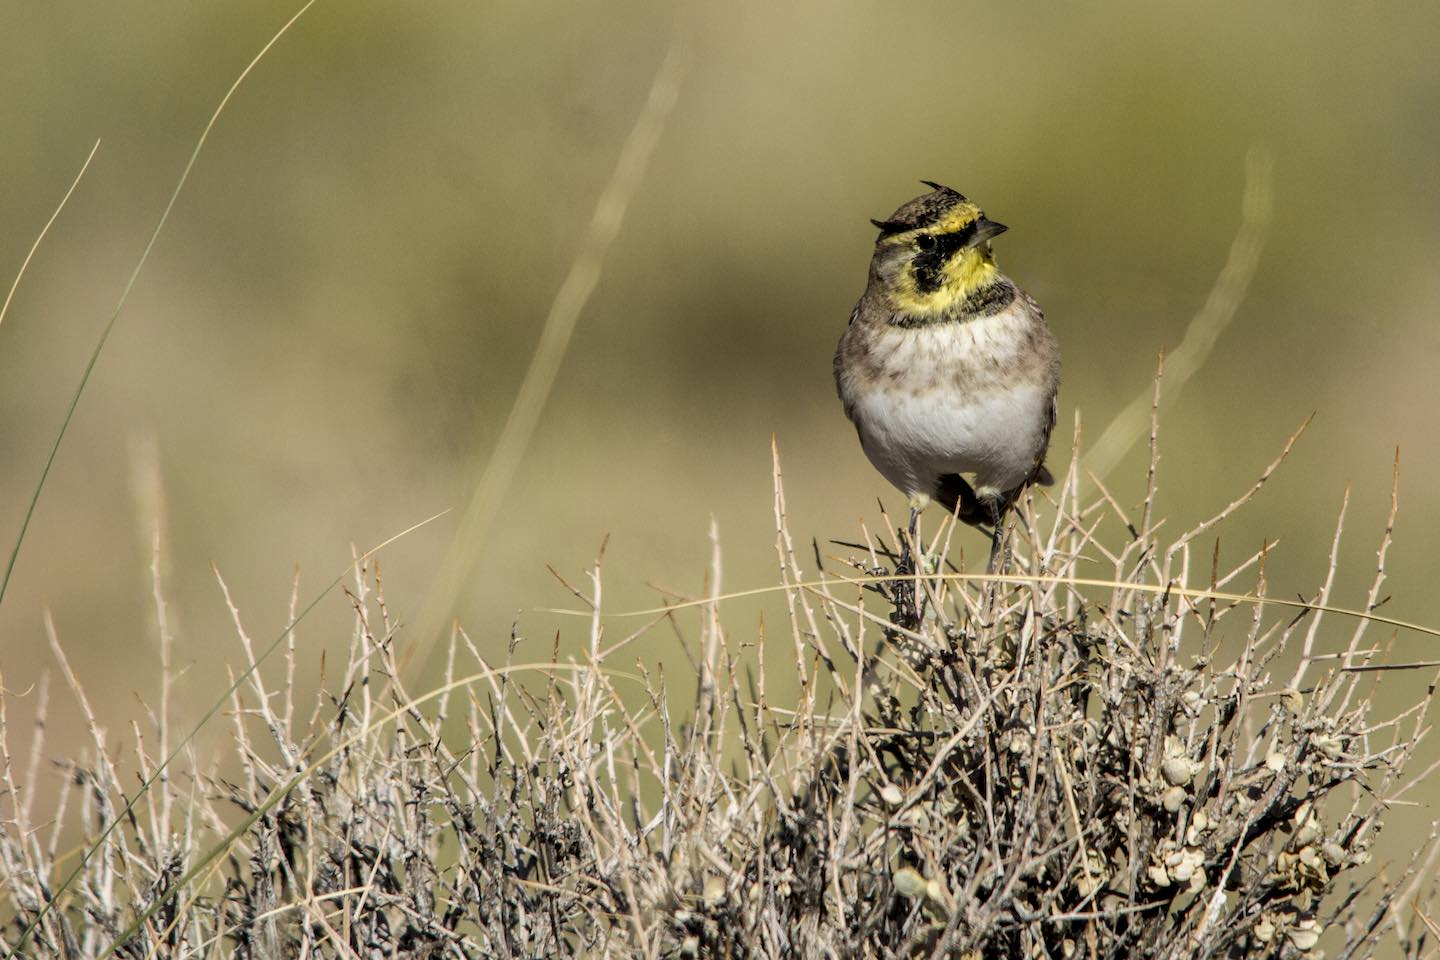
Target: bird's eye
(925,241)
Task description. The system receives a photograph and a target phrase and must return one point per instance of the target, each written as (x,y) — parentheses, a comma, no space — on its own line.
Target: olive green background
(327,337)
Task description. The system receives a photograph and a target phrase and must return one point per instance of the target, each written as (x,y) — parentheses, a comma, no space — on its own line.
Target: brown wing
(1042,475)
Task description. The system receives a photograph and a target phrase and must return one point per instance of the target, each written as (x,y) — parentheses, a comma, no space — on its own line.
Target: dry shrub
(1104,753)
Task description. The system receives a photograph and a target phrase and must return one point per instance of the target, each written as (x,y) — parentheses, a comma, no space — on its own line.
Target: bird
(947,368)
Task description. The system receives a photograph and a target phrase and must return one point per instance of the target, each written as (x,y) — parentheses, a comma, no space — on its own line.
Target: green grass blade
(129,286)
(60,436)
(5,308)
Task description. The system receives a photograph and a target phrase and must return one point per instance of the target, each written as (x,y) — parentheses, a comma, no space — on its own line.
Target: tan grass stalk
(467,542)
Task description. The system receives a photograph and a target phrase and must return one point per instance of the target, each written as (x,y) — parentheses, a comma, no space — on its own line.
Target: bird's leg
(990,593)
(906,613)
(996,509)
(919,564)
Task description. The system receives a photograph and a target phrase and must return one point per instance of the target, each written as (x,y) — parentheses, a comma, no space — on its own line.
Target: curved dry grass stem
(1219,309)
(24,264)
(466,545)
(109,328)
(4,308)
(1157,589)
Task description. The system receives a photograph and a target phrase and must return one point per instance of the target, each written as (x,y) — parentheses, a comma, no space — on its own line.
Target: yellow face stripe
(957,218)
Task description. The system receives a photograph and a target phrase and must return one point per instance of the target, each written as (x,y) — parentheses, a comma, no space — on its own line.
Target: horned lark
(947,368)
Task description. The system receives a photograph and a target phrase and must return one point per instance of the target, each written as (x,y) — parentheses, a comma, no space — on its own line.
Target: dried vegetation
(1104,753)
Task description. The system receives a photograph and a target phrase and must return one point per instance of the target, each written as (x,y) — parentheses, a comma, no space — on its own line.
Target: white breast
(953,398)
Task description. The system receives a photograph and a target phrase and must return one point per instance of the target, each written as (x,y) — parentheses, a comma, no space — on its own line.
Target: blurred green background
(331,329)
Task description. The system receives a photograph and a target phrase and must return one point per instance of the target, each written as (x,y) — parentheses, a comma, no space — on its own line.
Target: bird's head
(934,252)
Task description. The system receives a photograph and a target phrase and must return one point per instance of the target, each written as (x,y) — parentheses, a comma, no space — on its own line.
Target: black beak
(985,229)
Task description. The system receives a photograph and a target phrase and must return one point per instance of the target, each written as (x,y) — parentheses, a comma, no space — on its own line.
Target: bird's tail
(956,495)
